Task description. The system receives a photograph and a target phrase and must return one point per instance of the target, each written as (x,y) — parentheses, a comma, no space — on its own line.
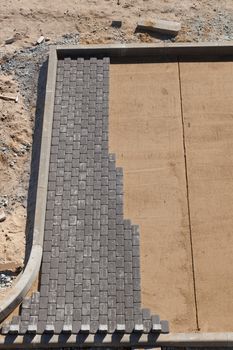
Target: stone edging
(22,286)
(157,51)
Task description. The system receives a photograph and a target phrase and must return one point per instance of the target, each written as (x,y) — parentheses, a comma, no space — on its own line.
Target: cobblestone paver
(90,273)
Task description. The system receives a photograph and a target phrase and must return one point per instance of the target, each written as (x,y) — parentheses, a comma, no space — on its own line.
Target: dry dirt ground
(66,21)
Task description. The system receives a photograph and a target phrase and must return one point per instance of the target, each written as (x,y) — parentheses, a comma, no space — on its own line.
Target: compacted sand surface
(174,143)
(146,134)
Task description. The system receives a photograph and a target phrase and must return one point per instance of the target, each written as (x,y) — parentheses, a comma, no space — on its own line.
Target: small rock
(160,26)
(5,281)
(116,24)
(24,204)
(2,215)
(17,36)
(40,40)
(10,41)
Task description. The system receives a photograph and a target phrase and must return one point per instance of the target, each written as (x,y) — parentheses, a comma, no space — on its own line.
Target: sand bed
(183,206)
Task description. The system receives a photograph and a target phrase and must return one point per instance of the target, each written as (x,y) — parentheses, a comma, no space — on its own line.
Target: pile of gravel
(26,63)
(5,281)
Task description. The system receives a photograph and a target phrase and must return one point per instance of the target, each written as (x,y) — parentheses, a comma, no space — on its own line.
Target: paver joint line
(90,277)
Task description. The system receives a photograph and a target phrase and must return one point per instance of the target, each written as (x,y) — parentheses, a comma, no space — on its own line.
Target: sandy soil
(83,21)
(208,117)
(147,135)
(201,19)
(15,141)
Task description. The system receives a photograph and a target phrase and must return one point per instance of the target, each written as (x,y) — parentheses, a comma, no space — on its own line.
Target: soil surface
(178,183)
(208,123)
(146,135)
(21,62)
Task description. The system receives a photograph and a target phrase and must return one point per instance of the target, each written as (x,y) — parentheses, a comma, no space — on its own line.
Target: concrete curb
(152,51)
(218,339)
(206,340)
(14,298)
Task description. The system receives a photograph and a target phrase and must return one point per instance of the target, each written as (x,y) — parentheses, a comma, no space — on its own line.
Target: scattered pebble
(5,281)
(160,26)
(2,215)
(116,24)
(40,40)
(3,201)
(26,64)
(9,98)
(10,41)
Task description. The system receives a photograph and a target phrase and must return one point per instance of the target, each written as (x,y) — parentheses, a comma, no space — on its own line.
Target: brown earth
(28,19)
(15,141)
(15,137)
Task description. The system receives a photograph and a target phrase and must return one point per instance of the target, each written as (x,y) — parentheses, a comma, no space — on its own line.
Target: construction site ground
(171,127)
